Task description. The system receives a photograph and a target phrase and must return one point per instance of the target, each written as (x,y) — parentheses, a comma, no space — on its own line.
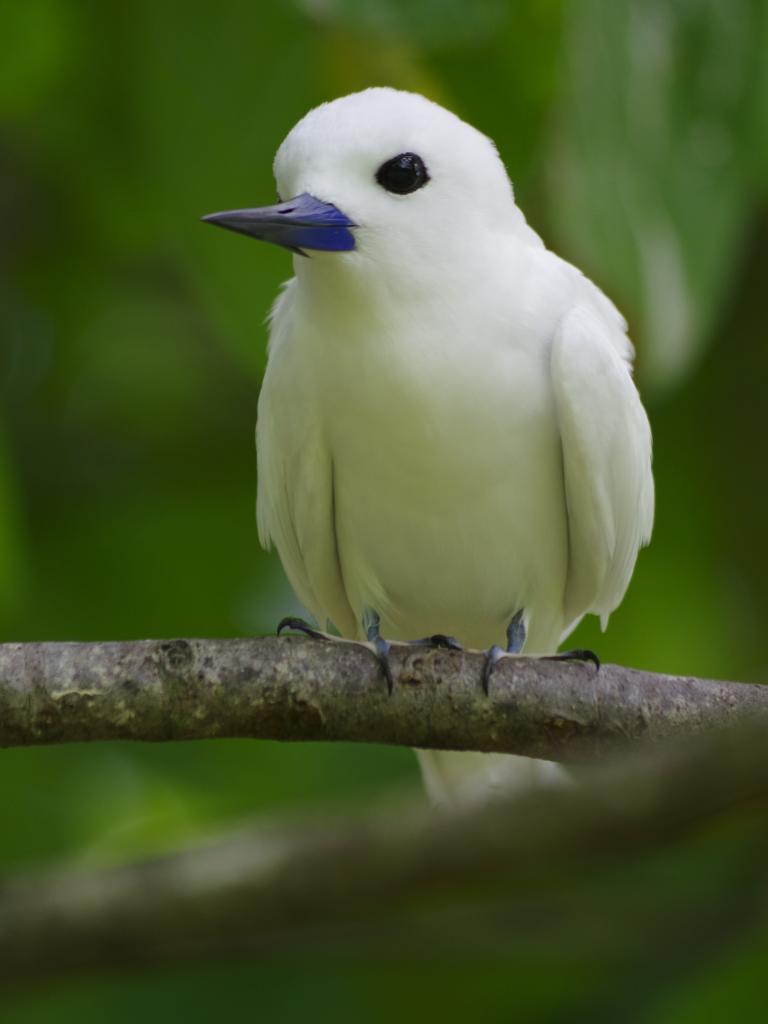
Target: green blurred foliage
(131,349)
(673,146)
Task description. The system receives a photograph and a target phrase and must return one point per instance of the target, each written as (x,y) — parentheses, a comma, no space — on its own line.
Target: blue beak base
(297,224)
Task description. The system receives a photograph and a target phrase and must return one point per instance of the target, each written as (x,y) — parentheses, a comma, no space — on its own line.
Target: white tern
(449,438)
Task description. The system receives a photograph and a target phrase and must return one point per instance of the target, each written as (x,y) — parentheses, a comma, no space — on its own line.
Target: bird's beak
(298,224)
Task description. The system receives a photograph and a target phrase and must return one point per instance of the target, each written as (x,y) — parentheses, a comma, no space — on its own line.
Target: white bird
(449,438)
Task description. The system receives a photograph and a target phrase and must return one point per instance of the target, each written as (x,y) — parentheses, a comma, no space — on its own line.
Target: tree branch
(295,689)
(274,884)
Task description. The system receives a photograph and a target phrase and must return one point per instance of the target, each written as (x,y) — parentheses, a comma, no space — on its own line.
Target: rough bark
(297,689)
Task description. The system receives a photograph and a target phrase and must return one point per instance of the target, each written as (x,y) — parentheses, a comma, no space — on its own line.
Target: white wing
(606,442)
(295,504)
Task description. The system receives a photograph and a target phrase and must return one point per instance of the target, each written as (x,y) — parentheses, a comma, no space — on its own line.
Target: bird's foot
(577,654)
(371,626)
(300,626)
(494,654)
(492,657)
(381,647)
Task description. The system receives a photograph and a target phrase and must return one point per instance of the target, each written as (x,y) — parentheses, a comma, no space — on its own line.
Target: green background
(131,349)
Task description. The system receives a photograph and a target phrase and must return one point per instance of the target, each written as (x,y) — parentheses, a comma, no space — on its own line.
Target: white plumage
(448,429)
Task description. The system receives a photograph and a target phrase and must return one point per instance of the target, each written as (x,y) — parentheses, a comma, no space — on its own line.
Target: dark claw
(300,626)
(382,648)
(492,657)
(515,642)
(371,625)
(578,654)
(438,640)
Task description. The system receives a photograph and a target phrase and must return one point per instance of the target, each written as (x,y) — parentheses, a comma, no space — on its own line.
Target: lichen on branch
(297,689)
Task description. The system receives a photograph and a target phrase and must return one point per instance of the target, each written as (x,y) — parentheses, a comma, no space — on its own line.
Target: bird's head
(378,176)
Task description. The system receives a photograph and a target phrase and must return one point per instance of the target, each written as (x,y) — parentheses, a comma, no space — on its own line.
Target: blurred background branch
(296,689)
(347,879)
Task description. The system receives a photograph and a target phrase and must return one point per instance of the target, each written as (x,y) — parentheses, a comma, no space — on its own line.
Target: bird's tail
(454,778)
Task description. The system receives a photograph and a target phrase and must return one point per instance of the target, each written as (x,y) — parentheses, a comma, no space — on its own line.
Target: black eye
(403,174)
